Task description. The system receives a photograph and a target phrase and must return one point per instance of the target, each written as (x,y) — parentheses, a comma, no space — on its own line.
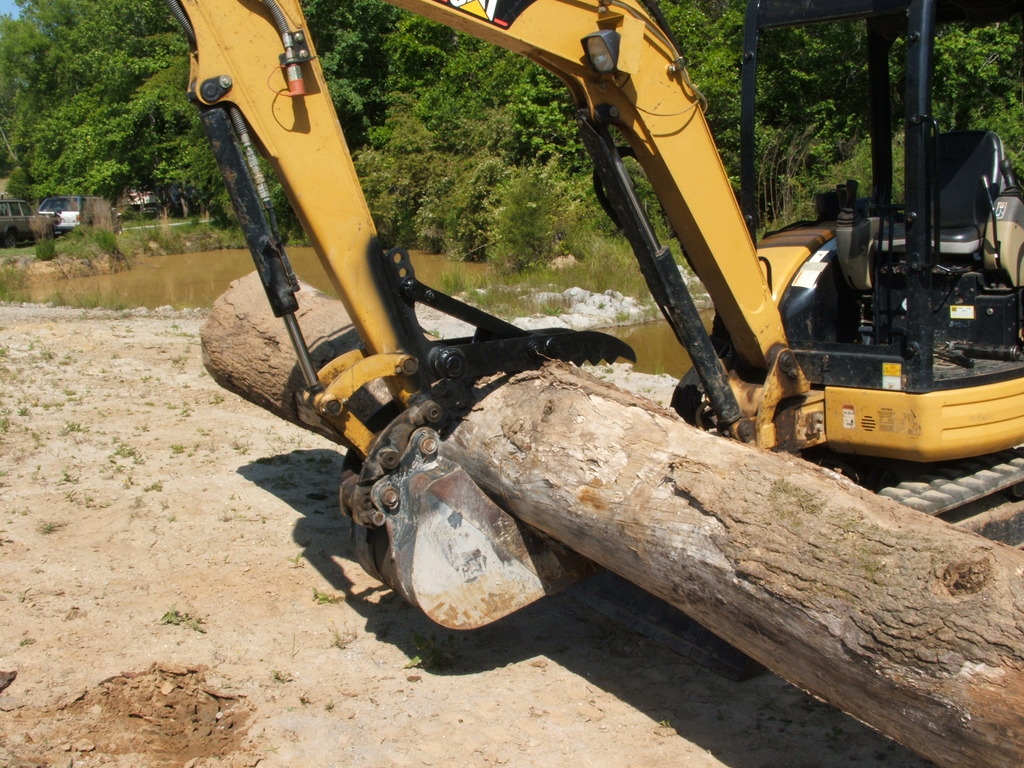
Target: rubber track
(956,484)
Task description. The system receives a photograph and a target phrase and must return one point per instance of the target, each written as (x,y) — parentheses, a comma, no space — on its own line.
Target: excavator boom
(644,100)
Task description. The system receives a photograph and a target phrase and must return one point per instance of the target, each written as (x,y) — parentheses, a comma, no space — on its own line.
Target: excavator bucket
(456,554)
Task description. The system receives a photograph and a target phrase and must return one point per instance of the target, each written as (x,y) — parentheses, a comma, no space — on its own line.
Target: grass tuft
(51,526)
(176,618)
(433,653)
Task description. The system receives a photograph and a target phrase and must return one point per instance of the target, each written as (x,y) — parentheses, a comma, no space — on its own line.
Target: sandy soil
(176,589)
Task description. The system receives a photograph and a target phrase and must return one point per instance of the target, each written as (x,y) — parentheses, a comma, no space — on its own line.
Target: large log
(901,620)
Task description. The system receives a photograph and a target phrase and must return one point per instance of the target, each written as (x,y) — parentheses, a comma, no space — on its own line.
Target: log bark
(904,622)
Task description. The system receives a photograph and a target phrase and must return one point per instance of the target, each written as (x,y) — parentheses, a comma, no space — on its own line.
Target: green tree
(464,115)
(349,38)
(527,221)
(979,75)
(98,96)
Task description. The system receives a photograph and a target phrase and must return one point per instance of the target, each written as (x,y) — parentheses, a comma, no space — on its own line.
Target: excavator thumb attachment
(452,551)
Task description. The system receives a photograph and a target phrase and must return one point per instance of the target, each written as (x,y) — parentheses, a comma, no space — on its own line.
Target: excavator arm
(644,99)
(260,91)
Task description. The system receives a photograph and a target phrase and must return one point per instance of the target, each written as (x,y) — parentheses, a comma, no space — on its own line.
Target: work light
(602,49)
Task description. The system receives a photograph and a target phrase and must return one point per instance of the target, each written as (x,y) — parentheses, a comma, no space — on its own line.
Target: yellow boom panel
(302,139)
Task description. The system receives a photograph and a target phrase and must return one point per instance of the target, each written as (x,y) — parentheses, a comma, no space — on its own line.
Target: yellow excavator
(883,339)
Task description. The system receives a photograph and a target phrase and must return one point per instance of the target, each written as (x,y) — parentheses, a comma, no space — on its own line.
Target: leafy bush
(467,211)
(526,223)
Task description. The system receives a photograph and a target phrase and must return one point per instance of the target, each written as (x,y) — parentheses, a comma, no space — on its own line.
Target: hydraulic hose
(290,40)
(182,18)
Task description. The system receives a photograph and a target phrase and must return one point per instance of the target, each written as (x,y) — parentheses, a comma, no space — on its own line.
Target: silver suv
(15,221)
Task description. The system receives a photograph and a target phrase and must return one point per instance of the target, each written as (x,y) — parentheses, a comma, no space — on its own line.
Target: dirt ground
(177,589)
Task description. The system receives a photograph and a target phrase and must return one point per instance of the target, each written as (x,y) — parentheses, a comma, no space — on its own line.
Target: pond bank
(196,279)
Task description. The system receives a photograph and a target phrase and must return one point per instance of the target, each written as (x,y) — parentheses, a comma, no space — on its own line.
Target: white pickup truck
(68,211)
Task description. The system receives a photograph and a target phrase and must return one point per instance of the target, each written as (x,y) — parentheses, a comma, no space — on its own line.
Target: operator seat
(969,179)
(981,210)
(968,182)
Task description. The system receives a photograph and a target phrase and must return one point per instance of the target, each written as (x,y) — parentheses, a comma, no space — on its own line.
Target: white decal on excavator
(488,9)
(483,8)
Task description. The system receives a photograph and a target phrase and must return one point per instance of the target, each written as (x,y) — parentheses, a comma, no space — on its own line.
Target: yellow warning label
(892,376)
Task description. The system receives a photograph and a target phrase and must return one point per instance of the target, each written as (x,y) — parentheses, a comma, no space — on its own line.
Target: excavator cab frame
(907,313)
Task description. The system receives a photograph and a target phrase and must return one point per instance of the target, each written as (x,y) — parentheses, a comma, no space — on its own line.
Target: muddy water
(182,280)
(656,347)
(197,279)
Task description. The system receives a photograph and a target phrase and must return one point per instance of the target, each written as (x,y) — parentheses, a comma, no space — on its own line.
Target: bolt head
(389,496)
(388,458)
(450,363)
(428,445)
(409,288)
(787,364)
